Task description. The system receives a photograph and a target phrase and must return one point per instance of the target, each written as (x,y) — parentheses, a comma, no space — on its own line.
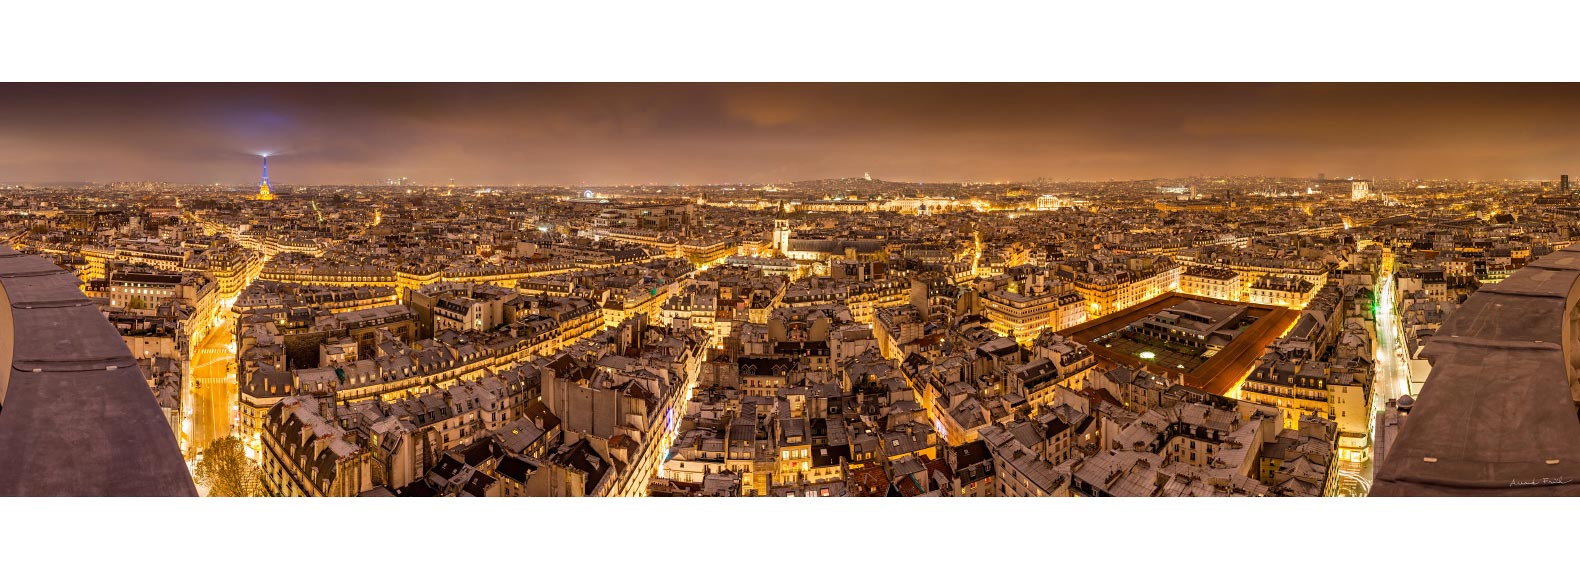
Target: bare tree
(226,471)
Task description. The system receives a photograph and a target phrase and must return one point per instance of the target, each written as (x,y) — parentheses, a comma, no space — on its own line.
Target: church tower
(782,236)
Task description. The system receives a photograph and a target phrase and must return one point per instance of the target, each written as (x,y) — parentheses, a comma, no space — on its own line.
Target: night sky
(607,134)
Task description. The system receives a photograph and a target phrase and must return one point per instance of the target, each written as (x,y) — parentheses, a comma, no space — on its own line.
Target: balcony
(76,415)
(1497,416)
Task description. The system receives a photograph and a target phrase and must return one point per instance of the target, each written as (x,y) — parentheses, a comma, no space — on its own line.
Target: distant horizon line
(65,182)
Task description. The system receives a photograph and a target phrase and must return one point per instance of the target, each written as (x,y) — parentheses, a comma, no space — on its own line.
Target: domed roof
(1405,401)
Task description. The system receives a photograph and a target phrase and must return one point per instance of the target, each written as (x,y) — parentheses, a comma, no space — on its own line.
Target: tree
(226,471)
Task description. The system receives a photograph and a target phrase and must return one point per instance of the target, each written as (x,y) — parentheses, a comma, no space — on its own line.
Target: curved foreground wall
(76,416)
(1497,415)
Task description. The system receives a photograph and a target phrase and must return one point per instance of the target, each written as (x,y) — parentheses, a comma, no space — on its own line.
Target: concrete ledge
(1497,416)
(76,415)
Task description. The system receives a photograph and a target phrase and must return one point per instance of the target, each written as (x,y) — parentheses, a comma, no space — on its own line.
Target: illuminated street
(214,388)
(1390,382)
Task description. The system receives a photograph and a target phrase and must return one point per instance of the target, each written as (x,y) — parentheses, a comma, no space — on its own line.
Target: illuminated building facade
(1290,292)
(1124,284)
(1220,283)
(1025,315)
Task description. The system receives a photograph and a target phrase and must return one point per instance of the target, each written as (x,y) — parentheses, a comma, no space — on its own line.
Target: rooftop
(1518,434)
(76,415)
(1217,374)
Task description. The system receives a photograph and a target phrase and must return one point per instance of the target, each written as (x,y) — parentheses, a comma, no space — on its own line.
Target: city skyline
(696,134)
(1023,264)
(1284,315)
(850,330)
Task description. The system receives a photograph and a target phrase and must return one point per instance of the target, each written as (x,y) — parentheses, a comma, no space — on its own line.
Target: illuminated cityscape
(341,332)
(860,289)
